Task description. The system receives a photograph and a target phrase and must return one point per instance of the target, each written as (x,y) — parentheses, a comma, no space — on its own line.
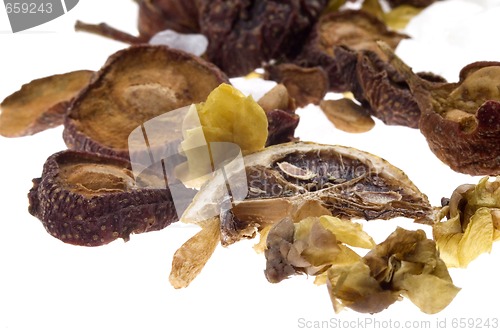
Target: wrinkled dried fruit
(91,200)
(135,85)
(473,223)
(191,257)
(461,121)
(355,30)
(40,104)
(347,182)
(348,116)
(244,34)
(406,263)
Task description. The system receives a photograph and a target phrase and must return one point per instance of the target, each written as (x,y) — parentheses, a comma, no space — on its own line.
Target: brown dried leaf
(40,104)
(191,257)
(348,116)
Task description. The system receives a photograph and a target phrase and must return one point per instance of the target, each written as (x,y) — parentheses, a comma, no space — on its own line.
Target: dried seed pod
(356,30)
(244,34)
(347,182)
(135,85)
(461,121)
(91,200)
(41,104)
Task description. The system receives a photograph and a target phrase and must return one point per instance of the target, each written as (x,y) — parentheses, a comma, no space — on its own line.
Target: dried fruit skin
(40,104)
(461,121)
(243,34)
(91,200)
(135,85)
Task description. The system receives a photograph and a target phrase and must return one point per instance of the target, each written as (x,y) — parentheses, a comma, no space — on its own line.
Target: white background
(46,285)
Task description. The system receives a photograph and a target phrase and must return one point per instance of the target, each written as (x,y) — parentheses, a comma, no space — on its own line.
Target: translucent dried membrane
(473,223)
(405,264)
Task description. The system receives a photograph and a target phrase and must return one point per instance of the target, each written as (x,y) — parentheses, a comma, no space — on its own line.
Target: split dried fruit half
(41,104)
(461,121)
(472,225)
(135,85)
(283,179)
(90,200)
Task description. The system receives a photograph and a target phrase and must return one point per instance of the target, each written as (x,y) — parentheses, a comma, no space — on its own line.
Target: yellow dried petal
(261,246)
(478,237)
(428,292)
(191,257)
(348,232)
(448,248)
(229,116)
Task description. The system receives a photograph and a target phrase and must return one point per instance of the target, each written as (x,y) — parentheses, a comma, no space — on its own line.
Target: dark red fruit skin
(96,220)
(474,153)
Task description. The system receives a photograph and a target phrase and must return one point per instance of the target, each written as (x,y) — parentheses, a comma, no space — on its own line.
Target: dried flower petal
(406,263)
(347,232)
(473,223)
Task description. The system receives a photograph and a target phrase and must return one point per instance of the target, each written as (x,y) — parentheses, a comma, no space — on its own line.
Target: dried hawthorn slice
(91,200)
(135,85)
(354,29)
(282,178)
(40,104)
(461,121)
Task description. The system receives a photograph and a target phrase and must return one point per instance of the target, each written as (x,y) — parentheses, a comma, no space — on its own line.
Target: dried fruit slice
(41,104)
(135,85)
(461,121)
(347,182)
(91,200)
(346,115)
